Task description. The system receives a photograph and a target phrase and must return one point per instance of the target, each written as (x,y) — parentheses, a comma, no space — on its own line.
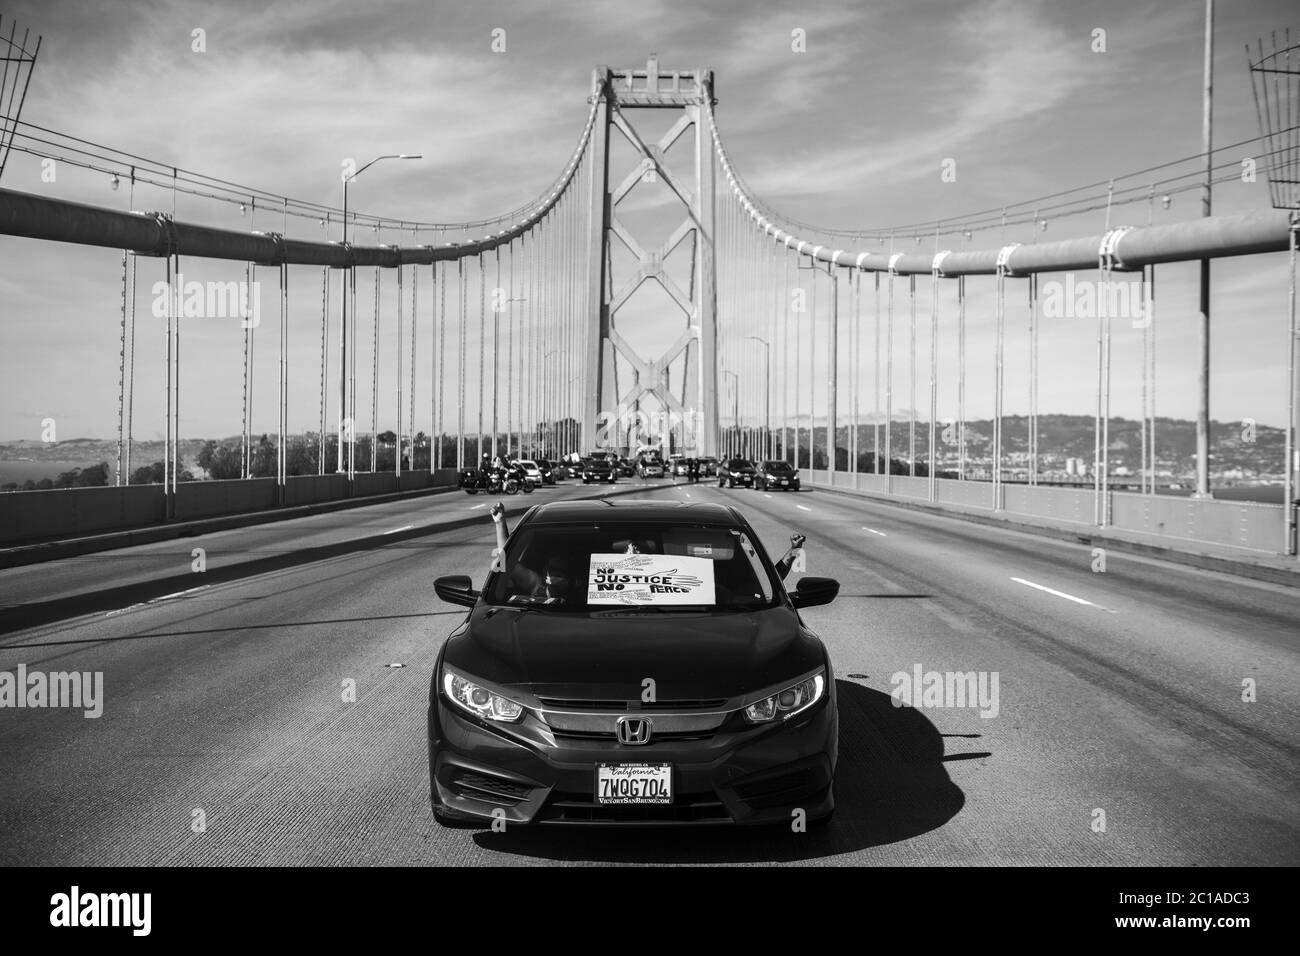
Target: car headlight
(479,701)
(786,703)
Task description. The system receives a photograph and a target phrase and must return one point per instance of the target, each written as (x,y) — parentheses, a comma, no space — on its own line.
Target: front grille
(565,807)
(568,703)
(571,703)
(479,786)
(665,724)
(657,737)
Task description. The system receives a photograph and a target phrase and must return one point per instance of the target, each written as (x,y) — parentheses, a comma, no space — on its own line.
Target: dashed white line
(1060,594)
(405,527)
(179,593)
(766,495)
(874,531)
(803,507)
(479,505)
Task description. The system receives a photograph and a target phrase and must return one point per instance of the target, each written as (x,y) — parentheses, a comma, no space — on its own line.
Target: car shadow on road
(890,786)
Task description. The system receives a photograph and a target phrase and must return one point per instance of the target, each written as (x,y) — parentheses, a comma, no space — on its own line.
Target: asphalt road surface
(1118,733)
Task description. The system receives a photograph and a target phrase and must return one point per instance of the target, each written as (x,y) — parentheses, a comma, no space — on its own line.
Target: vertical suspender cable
(997,387)
(460,373)
(415,325)
(889,378)
(875,382)
(351,416)
(442,353)
(854,352)
(374,381)
(397,386)
(121,370)
(931,445)
(130,391)
(1033,379)
(510,354)
(496,350)
(911,382)
(282,470)
(482,342)
(324,352)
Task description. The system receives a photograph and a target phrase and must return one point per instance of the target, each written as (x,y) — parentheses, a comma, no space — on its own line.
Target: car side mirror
(814,591)
(458,589)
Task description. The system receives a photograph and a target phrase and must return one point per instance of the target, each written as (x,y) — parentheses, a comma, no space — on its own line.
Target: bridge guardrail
(1248,525)
(30,516)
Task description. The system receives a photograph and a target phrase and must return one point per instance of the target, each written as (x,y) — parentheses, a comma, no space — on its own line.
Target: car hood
(591,655)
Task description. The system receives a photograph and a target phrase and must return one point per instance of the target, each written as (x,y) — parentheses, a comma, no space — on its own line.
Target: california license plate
(634,783)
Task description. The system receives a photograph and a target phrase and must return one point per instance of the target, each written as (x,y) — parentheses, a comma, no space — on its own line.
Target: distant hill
(1059,437)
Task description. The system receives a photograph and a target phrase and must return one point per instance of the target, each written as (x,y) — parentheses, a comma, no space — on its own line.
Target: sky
(850,133)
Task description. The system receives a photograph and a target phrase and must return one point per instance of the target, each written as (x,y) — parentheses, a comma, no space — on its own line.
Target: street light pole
(768,451)
(343,307)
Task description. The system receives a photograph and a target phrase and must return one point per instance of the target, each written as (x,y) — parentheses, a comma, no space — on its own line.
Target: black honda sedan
(737,471)
(779,475)
(633,663)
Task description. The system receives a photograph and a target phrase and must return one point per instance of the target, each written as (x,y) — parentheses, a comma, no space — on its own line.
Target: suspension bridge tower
(688,406)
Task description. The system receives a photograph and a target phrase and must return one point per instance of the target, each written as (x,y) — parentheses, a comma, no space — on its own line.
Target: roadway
(1119,692)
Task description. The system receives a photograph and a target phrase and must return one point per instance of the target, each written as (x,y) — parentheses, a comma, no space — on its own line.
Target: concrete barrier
(205,499)
(27,515)
(1075,505)
(31,516)
(1248,525)
(1242,524)
(310,489)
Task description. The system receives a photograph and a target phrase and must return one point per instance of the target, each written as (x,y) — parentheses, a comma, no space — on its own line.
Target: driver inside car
(552,584)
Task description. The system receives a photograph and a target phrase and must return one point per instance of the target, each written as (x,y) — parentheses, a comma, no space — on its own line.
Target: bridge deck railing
(1246,525)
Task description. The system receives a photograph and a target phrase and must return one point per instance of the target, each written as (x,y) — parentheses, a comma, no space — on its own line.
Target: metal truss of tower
(688,411)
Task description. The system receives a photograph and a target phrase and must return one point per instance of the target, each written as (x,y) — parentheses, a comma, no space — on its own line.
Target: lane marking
(1060,594)
(874,531)
(803,507)
(480,505)
(405,527)
(180,593)
(766,495)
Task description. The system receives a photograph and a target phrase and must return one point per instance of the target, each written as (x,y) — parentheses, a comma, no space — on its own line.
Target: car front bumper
(528,775)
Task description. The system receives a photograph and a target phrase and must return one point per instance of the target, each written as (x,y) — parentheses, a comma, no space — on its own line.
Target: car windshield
(632,566)
(527,464)
(737,464)
(778,467)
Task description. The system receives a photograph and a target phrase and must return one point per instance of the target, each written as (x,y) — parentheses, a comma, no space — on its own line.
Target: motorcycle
(495,482)
(520,477)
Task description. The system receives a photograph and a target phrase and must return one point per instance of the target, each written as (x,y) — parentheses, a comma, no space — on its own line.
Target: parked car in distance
(676,465)
(778,475)
(737,471)
(547,470)
(708,467)
(625,468)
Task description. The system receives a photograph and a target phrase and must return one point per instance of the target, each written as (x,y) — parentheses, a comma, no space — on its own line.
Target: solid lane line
(1060,594)
(405,527)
